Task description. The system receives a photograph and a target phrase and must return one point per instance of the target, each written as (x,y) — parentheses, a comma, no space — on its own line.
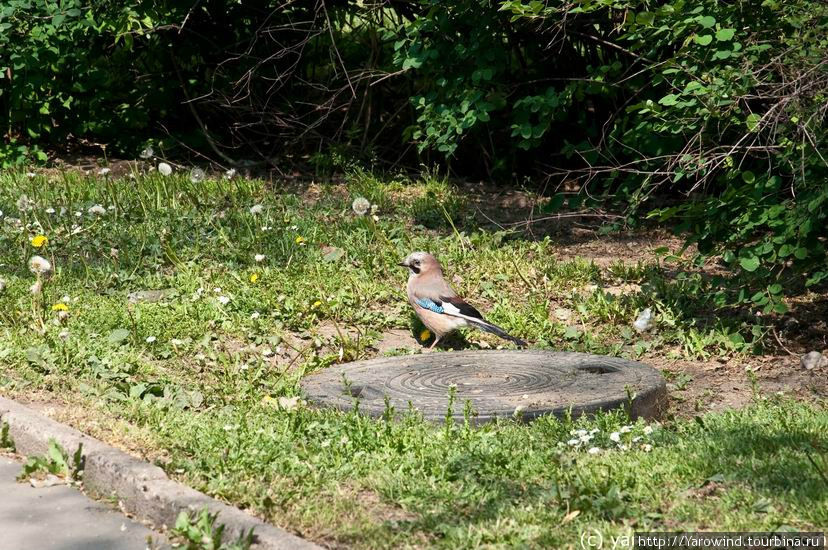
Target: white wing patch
(451,309)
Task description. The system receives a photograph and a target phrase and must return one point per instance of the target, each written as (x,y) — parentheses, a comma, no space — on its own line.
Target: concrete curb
(143,489)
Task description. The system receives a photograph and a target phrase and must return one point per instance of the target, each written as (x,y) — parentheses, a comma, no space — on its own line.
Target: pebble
(813,360)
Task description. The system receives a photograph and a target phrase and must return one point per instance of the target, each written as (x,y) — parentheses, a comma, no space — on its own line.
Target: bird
(437,305)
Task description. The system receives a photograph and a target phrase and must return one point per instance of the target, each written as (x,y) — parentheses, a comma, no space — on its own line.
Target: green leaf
(704,39)
(724,35)
(801,253)
(749,263)
(333,254)
(707,21)
(118,335)
(645,18)
(669,99)
(748,176)
(752,121)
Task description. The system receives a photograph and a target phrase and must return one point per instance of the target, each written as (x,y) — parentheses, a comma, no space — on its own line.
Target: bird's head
(421,263)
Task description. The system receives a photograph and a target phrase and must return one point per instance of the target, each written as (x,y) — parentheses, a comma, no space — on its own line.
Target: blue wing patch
(430,305)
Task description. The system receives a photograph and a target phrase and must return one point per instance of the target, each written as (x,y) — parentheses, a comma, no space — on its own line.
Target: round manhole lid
(496,383)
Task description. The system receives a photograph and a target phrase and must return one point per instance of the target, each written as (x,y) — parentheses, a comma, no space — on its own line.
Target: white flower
(230,173)
(24,203)
(36,287)
(31,174)
(104,171)
(63,335)
(594,450)
(615,436)
(217,290)
(594,431)
(581,433)
(1,213)
(648,430)
(259,257)
(78,214)
(196,175)
(360,206)
(48,211)
(40,265)
(623,447)
(374,208)
(574,442)
(223,300)
(147,153)
(150,339)
(647,447)
(586,438)
(636,439)
(164,169)
(97,210)
(254,315)
(625,429)
(176,341)
(256,209)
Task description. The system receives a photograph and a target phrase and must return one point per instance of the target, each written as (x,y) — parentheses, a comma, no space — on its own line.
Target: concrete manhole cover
(496,382)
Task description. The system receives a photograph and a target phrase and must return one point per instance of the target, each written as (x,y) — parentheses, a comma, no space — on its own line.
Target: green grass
(191,376)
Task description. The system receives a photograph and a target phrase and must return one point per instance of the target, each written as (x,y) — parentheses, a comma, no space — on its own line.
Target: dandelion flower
(425,335)
(299,240)
(256,209)
(164,169)
(40,265)
(60,306)
(150,339)
(104,171)
(36,287)
(316,304)
(39,241)
(254,278)
(594,450)
(196,175)
(63,335)
(147,153)
(230,173)
(616,437)
(259,257)
(360,206)
(96,210)
(223,300)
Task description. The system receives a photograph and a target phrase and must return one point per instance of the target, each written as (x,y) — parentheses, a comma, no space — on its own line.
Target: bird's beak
(402,264)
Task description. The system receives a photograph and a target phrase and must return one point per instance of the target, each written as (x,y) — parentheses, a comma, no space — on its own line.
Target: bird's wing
(455,305)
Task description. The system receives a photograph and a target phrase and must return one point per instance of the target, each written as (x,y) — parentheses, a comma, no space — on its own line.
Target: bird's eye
(416,262)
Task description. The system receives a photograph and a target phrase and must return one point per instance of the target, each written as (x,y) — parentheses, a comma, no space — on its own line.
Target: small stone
(149,296)
(563,313)
(813,360)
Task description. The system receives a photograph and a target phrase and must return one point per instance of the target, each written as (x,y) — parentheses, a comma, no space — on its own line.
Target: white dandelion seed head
(361,205)
(96,210)
(256,209)
(40,265)
(223,300)
(594,450)
(36,287)
(197,175)
(616,437)
(150,339)
(147,153)
(24,203)
(63,335)
(164,169)
(259,257)
(104,171)
(231,173)
(62,315)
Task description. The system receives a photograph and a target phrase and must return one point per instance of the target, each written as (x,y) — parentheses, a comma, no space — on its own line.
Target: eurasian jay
(437,305)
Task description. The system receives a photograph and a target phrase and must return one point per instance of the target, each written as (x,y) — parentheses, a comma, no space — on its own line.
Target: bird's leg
(436,339)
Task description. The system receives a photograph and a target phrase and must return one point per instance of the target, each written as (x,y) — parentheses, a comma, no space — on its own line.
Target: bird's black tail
(494,329)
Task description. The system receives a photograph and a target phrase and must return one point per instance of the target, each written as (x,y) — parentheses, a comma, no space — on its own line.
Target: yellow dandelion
(254,278)
(299,240)
(425,335)
(316,304)
(60,306)
(39,241)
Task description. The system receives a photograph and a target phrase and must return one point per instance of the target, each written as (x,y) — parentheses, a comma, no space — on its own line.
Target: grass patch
(190,310)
